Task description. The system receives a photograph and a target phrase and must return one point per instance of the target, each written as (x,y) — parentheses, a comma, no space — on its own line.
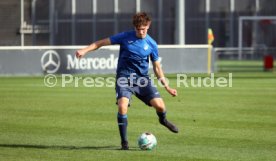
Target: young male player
(136,48)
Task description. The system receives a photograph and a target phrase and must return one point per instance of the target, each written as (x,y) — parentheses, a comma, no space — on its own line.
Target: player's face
(141,31)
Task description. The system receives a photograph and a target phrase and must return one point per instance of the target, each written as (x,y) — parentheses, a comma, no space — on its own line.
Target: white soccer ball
(147,141)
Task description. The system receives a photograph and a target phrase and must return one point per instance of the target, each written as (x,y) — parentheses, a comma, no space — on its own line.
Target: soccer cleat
(124,145)
(169,125)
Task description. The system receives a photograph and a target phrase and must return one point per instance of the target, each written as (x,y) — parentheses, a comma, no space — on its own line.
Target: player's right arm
(94,46)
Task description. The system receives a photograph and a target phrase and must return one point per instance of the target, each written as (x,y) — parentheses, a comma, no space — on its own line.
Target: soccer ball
(147,141)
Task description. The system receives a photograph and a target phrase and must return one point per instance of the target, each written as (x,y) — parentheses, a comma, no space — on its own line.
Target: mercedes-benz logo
(50,61)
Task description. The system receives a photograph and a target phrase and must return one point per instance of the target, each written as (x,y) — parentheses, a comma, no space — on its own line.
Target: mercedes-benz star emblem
(50,61)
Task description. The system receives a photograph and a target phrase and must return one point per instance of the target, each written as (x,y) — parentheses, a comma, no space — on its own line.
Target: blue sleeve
(117,39)
(154,55)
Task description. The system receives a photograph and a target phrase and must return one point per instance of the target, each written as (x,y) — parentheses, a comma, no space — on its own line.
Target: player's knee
(122,110)
(160,108)
(158,104)
(122,105)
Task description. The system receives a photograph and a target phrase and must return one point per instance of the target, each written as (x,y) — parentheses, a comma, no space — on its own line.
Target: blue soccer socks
(162,116)
(122,124)
(165,122)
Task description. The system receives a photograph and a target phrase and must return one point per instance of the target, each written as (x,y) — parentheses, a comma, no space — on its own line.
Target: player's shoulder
(151,41)
(119,37)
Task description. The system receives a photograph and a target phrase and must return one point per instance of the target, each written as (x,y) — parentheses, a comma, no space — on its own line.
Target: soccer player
(136,48)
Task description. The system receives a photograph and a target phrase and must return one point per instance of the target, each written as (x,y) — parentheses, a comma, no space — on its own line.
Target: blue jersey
(134,53)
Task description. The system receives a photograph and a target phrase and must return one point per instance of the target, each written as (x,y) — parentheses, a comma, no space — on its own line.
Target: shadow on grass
(64,147)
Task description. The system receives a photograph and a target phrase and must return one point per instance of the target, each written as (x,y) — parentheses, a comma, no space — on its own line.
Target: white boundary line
(111,47)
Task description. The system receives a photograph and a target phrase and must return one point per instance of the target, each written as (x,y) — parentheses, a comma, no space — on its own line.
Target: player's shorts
(144,90)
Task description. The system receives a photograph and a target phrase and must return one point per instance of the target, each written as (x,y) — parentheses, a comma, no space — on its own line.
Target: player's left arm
(161,77)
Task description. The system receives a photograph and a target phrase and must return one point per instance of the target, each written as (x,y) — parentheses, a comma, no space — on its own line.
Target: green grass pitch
(69,124)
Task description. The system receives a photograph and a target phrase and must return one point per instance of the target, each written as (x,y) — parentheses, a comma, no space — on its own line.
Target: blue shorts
(144,90)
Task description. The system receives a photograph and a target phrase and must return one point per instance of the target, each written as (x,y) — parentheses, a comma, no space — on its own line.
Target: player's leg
(122,121)
(150,96)
(159,105)
(123,103)
(123,95)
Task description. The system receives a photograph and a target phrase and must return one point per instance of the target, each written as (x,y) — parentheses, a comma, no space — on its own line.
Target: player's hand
(172,91)
(80,54)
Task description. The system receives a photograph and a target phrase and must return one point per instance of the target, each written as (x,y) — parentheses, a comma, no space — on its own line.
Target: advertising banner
(59,60)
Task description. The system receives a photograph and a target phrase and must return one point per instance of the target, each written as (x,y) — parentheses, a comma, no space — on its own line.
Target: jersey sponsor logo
(130,41)
(146,47)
